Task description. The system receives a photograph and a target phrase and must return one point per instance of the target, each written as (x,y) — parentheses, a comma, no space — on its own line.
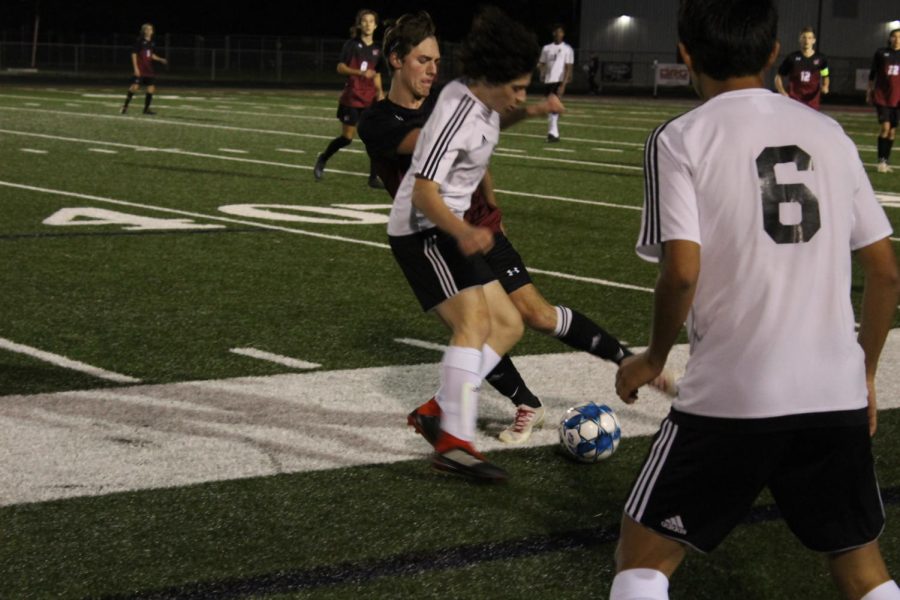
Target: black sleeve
(785,68)
(348,51)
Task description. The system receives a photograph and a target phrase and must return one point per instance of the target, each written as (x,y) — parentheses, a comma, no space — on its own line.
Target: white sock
(886,591)
(563,321)
(489,360)
(553,122)
(640,584)
(460,383)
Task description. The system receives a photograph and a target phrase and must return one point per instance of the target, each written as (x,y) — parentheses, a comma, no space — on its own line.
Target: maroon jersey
(360,92)
(383,126)
(885,73)
(145,49)
(803,76)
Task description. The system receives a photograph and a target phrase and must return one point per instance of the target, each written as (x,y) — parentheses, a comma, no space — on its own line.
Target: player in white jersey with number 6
(753,206)
(556,63)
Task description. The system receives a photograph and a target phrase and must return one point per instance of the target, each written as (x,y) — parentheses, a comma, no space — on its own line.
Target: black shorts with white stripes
(698,483)
(435,268)
(507,264)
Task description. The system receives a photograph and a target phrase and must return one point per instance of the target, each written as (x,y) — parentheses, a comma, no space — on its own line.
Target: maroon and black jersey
(385,125)
(804,75)
(885,73)
(360,92)
(145,49)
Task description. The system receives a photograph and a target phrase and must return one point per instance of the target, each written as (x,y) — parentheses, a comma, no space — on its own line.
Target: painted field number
(68,217)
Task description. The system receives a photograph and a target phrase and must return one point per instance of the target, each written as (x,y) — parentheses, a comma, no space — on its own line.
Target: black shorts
(887,114)
(148,81)
(698,484)
(552,88)
(435,267)
(349,115)
(507,264)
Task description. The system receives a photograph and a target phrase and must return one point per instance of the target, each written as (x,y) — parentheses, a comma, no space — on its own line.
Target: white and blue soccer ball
(589,432)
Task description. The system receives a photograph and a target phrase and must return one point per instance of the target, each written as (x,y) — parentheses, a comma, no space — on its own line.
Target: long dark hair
(355,30)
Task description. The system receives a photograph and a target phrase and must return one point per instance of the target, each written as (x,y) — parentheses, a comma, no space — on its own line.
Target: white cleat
(666,383)
(527,418)
(883,167)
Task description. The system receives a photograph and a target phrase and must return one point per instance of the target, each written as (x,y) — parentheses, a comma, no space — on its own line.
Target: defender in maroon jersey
(360,62)
(806,71)
(884,93)
(142,58)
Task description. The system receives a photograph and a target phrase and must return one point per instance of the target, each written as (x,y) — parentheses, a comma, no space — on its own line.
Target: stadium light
(624,20)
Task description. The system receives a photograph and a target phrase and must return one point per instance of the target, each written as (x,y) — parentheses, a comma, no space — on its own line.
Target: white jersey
(453,150)
(555,57)
(775,194)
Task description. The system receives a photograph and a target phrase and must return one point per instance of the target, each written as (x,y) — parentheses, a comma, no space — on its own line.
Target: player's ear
(776,48)
(685,57)
(395,60)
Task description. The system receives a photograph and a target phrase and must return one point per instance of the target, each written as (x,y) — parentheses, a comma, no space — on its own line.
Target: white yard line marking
(579,140)
(421,344)
(102,151)
(572,200)
(290,150)
(574,162)
(233,151)
(511,150)
(559,150)
(177,151)
(888,199)
(194,215)
(618,150)
(895,239)
(66,363)
(352,151)
(32,104)
(606,282)
(287,361)
(159,121)
(33,151)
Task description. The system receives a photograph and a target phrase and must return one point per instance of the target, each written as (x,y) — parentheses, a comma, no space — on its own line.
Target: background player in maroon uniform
(142,61)
(360,60)
(390,130)
(884,93)
(806,71)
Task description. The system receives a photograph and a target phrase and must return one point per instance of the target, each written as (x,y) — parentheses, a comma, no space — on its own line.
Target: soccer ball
(589,432)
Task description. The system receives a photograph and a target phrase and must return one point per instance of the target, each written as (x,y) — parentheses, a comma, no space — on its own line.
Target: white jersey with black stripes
(777,198)
(453,150)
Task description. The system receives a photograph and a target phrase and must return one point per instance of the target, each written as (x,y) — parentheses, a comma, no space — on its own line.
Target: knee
(474,327)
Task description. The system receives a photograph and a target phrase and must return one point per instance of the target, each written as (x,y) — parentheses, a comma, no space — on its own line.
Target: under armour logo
(513,271)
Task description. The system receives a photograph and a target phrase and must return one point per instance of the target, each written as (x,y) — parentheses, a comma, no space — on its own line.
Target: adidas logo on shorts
(674,524)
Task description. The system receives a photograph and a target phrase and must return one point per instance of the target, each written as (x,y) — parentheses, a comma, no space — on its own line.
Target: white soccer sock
(489,360)
(563,321)
(553,123)
(460,383)
(640,584)
(886,591)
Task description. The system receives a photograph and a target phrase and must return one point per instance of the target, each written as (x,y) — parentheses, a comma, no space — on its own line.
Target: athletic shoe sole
(480,472)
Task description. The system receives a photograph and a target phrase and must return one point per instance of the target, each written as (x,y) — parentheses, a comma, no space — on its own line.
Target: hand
(873,407)
(869,96)
(475,240)
(369,74)
(634,372)
(164,61)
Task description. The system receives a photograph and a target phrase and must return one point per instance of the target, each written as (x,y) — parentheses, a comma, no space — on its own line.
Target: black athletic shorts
(697,484)
(435,267)
(552,88)
(507,265)
(143,81)
(887,114)
(349,115)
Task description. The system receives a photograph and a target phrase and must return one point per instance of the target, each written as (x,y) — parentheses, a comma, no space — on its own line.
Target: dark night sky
(331,18)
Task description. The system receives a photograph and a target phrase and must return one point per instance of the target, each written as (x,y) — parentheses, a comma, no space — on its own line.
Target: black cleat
(375,183)
(319,169)
(124,110)
(149,112)
(428,426)
(469,464)
(552,138)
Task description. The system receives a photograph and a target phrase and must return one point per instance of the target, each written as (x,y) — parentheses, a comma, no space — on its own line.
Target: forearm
(673,296)
(779,85)
(428,200)
(134,64)
(881,294)
(346,71)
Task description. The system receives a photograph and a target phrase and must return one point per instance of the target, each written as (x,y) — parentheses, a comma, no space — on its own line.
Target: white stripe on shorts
(445,278)
(640,495)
